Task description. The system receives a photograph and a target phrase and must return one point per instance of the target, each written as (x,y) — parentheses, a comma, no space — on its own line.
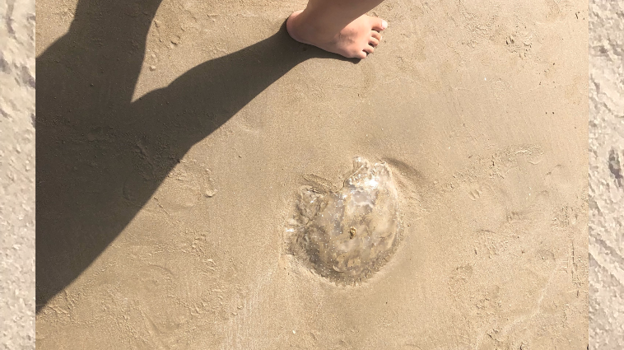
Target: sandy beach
(17,174)
(174,138)
(606,142)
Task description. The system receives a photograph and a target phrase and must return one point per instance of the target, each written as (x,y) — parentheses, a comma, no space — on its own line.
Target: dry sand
(162,205)
(606,162)
(17,174)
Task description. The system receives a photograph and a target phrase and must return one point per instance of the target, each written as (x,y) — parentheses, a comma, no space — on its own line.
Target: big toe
(378,24)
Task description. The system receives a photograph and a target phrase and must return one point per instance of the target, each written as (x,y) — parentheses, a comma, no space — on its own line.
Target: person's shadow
(100,157)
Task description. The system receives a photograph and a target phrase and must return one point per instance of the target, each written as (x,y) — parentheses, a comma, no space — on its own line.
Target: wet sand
(165,182)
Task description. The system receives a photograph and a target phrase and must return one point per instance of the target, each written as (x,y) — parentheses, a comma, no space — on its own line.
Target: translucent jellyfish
(348,234)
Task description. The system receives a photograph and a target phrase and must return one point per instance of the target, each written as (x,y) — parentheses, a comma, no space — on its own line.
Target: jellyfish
(348,234)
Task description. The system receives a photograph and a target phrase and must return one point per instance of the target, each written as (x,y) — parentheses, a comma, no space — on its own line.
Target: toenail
(384,24)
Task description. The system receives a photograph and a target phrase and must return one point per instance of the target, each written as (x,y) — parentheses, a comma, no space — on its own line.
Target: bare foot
(355,40)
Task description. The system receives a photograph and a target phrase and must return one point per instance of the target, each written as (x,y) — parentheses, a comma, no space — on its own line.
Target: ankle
(331,15)
(308,24)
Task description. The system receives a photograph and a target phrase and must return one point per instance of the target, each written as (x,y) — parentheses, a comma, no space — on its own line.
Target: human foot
(355,40)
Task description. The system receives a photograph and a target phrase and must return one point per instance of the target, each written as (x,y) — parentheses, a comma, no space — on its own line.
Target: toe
(361,55)
(373,42)
(378,24)
(376,35)
(369,49)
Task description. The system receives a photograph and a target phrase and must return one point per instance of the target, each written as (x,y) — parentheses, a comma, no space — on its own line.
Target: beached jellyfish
(348,234)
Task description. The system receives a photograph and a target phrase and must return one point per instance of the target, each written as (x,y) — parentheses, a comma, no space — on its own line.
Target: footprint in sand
(346,235)
(187,185)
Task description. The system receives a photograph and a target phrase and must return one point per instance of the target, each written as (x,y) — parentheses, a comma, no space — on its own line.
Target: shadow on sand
(100,157)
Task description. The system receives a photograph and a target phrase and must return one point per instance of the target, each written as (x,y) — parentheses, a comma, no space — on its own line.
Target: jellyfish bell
(347,234)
